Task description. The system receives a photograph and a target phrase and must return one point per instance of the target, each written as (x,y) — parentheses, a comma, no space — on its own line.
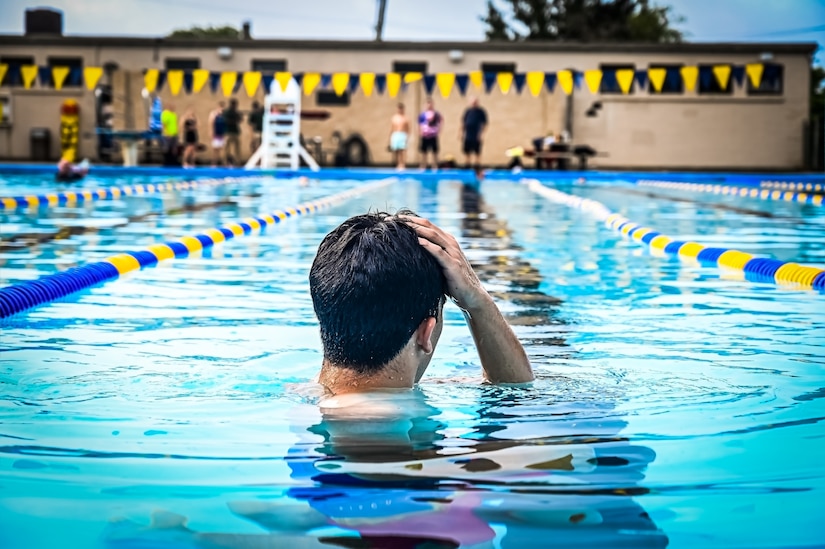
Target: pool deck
(365,174)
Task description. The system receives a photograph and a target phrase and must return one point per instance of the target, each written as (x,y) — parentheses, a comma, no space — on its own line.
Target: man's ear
(424,334)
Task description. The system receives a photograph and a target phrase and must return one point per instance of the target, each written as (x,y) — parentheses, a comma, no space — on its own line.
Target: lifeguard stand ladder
(281,137)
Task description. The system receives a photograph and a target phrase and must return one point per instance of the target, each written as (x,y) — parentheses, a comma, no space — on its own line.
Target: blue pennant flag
(550,81)
(462,80)
(489,81)
(738,74)
(429,83)
(380,83)
(706,77)
(188,81)
(299,78)
(266,81)
(519,79)
(214,81)
(238,83)
(45,76)
(354,79)
(75,77)
(641,78)
(577,79)
(161,80)
(326,80)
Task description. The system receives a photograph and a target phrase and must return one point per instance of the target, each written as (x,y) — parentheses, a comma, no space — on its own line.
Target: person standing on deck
(473,125)
(217,127)
(399,132)
(233,118)
(429,126)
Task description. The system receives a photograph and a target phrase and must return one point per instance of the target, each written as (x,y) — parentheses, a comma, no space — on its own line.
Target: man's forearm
(503,358)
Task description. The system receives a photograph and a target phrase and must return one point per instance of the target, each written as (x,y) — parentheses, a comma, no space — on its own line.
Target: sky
(705,20)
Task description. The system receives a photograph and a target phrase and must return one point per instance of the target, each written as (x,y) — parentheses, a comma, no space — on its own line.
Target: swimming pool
(675,404)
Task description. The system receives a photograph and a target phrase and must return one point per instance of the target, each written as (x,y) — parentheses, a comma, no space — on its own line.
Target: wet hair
(372,285)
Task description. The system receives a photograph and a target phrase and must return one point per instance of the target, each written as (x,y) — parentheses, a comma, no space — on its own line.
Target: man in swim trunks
(399,130)
(375,261)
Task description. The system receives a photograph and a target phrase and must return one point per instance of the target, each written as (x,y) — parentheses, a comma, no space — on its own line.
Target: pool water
(673,406)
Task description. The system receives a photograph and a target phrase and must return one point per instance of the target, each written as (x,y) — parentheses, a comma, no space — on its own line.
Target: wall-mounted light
(455,56)
(766,56)
(225,53)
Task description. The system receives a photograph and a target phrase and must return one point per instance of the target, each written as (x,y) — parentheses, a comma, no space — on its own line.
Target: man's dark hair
(372,285)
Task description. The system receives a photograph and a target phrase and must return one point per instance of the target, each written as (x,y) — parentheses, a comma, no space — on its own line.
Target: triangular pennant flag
(393,83)
(625,79)
(283,78)
(738,74)
(429,83)
(44,74)
(445,81)
(705,77)
(550,80)
(489,81)
(689,76)
(367,82)
(297,76)
(266,81)
(353,82)
(411,77)
(4,68)
(754,71)
(722,74)
(214,81)
(311,81)
(199,79)
(161,80)
(519,80)
(326,80)
(380,83)
(75,77)
(462,81)
(175,80)
(476,78)
(593,79)
(577,80)
(657,78)
(641,78)
(251,81)
(339,82)
(228,81)
(150,80)
(28,73)
(238,83)
(535,80)
(505,81)
(92,76)
(565,78)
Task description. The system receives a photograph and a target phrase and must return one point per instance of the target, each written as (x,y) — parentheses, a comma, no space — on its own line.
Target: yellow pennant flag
(29,73)
(367,81)
(535,80)
(393,83)
(174,79)
(754,71)
(283,79)
(150,80)
(593,78)
(311,81)
(657,78)
(92,76)
(59,75)
(199,79)
(411,77)
(228,81)
(505,80)
(4,68)
(477,78)
(565,79)
(251,81)
(340,81)
(625,79)
(689,77)
(722,74)
(445,82)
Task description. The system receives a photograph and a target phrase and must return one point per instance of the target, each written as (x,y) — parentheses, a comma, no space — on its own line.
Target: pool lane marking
(82,196)
(794,186)
(22,296)
(755,269)
(764,193)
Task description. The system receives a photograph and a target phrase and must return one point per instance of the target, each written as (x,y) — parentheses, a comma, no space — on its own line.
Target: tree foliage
(207,33)
(582,21)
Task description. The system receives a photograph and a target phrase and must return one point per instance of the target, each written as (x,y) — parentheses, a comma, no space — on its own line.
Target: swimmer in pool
(378,285)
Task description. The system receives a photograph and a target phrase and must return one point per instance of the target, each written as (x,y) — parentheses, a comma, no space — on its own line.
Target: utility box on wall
(5,110)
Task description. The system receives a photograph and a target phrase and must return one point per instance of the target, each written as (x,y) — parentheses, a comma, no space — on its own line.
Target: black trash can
(41,143)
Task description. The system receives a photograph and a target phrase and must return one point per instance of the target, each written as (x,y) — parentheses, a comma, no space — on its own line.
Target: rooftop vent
(44,21)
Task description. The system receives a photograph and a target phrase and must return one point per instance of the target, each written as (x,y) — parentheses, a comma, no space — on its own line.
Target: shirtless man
(217,132)
(399,131)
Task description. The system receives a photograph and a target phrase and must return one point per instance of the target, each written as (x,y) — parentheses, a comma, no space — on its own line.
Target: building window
(13,77)
(404,67)
(269,65)
(709,84)
(75,65)
(673,80)
(772,81)
(182,63)
(498,67)
(609,82)
(328,98)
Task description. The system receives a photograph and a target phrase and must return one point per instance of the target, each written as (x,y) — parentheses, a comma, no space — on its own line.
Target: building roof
(808,48)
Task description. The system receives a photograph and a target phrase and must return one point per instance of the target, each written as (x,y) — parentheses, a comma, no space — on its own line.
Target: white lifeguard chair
(281,137)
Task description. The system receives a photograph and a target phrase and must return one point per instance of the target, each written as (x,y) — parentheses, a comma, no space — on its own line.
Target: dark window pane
(409,66)
(328,98)
(13,77)
(498,67)
(182,63)
(772,81)
(609,82)
(269,65)
(709,84)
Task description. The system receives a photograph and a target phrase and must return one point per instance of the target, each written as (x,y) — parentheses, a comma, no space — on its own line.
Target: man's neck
(340,380)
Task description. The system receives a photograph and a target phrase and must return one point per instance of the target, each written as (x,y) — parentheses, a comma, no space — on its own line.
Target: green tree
(207,33)
(582,21)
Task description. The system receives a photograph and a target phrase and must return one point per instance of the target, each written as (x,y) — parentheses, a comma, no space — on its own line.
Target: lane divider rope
(751,192)
(26,295)
(755,269)
(66,198)
(793,186)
